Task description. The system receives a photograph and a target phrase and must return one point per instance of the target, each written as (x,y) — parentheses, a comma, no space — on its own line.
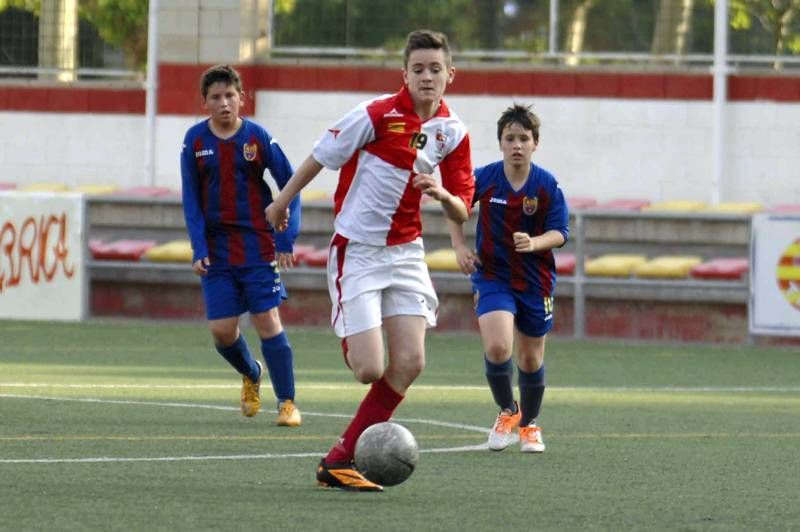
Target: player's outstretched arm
(277,212)
(454,209)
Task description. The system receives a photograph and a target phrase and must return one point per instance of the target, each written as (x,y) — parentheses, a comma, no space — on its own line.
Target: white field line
(270,456)
(106,459)
(589,389)
(429,387)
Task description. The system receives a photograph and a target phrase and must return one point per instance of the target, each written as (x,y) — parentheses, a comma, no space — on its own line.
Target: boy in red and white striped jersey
(386,150)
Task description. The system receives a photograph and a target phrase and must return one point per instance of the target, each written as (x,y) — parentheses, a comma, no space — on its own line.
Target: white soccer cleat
(288,415)
(502,434)
(530,439)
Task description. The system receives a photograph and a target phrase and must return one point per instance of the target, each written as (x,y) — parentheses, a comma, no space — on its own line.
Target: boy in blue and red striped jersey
(235,252)
(522,217)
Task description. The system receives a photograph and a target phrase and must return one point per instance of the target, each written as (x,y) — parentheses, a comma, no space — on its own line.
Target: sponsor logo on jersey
(203,153)
(396,127)
(250,151)
(394,113)
(529,205)
(501,201)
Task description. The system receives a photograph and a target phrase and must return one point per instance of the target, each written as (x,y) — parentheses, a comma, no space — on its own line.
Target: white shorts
(368,283)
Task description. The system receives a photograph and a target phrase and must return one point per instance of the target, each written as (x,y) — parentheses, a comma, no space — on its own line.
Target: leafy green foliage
(769,27)
(613,25)
(34,6)
(757,26)
(122,23)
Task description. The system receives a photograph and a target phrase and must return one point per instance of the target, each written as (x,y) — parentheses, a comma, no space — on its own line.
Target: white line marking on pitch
(445,387)
(104,459)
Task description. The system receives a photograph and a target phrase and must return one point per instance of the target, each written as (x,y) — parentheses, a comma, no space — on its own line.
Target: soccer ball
(386,453)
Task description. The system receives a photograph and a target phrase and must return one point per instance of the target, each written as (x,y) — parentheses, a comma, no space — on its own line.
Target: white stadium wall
(605,148)
(600,147)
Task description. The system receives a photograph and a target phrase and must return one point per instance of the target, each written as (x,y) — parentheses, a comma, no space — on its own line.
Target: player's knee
(498,352)
(407,368)
(414,367)
(531,361)
(224,336)
(367,375)
(267,324)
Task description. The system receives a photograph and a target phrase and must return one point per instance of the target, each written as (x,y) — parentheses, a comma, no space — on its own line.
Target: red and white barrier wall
(609,135)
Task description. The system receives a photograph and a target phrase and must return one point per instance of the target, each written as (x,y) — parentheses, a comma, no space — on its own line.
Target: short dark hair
(427,40)
(220,73)
(522,115)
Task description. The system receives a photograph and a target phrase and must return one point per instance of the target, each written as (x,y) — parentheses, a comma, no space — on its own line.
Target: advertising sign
(42,263)
(775,275)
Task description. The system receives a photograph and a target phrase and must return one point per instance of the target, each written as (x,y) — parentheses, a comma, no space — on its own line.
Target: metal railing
(510,58)
(27,72)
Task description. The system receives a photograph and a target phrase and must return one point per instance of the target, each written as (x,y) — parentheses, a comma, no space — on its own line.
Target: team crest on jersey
(441,141)
(250,151)
(529,205)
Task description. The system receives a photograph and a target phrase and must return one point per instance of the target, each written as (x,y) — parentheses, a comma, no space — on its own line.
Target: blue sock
(499,377)
(278,355)
(531,391)
(238,355)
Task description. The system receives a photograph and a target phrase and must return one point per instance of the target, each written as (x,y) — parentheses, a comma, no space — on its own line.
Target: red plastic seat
(7,186)
(146,192)
(301,251)
(317,258)
(722,268)
(581,202)
(786,208)
(120,249)
(565,263)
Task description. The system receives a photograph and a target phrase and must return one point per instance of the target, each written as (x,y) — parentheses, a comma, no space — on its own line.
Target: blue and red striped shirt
(537,207)
(225,194)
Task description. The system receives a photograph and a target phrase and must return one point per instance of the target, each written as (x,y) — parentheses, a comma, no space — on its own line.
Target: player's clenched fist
(427,184)
(523,243)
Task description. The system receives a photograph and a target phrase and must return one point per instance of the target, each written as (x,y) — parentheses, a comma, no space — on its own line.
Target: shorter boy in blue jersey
(522,217)
(235,252)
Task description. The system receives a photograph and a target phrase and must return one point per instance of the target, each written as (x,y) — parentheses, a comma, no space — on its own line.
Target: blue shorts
(229,291)
(533,315)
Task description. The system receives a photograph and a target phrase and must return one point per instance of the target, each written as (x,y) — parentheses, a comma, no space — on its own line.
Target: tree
(374,23)
(577,30)
(34,6)
(673,27)
(121,23)
(775,16)
(612,25)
